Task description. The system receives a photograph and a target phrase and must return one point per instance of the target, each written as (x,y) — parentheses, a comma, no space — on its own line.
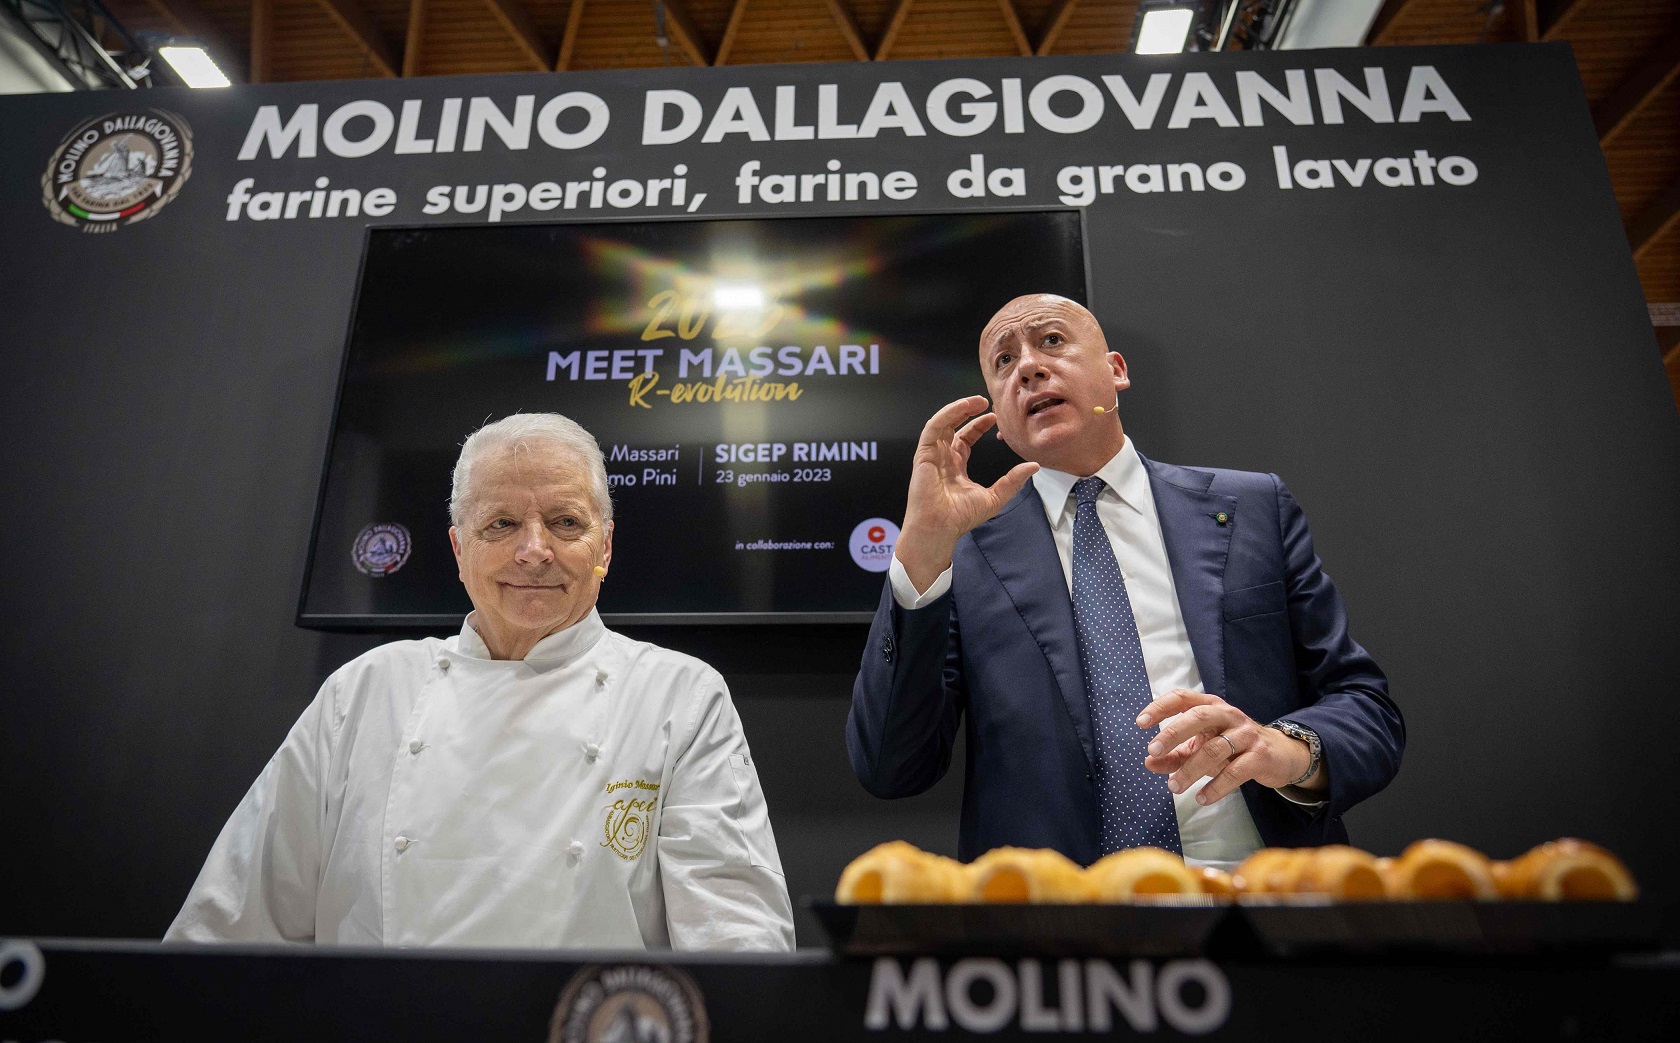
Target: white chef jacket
(597,793)
(1221,834)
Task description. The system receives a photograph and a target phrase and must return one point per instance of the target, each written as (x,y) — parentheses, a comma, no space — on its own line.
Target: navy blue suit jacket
(998,655)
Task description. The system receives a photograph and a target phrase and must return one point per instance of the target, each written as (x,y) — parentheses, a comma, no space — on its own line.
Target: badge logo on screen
(872,544)
(117,169)
(630,1003)
(381,549)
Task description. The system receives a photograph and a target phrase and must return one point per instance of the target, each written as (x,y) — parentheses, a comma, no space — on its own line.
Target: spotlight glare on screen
(1164,31)
(194,66)
(738,298)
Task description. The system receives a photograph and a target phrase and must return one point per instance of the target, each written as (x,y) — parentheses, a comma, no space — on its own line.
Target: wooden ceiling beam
(1525,15)
(516,22)
(1536,19)
(1555,16)
(262,41)
(1658,217)
(356,24)
(1387,15)
(737,14)
(186,18)
(411,43)
(1012,19)
(1060,15)
(682,29)
(846,22)
(1645,81)
(894,24)
(568,41)
(1668,341)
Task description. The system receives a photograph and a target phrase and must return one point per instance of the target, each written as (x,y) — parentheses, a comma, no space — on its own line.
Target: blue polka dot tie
(1136,806)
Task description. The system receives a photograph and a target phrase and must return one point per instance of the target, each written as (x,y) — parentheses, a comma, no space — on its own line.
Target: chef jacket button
(402,844)
(575,849)
(601,677)
(592,751)
(416,746)
(443,664)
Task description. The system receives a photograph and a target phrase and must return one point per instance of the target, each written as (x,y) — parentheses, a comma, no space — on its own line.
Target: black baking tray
(1277,927)
(1478,927)
(1038,930)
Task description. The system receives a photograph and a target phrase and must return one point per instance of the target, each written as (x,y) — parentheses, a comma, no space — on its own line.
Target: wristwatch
(1306,735)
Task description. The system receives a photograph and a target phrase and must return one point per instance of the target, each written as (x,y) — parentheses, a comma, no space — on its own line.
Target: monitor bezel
(383,622)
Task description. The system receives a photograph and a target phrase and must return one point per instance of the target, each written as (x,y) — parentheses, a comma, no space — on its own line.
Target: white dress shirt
(1221,834)
(597,793)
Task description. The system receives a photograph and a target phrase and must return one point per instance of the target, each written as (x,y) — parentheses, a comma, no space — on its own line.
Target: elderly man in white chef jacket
(535,780)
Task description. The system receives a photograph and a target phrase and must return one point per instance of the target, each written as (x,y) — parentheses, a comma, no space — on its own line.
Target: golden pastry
(1567,870)
(1440,870)
(1344,873)
(1215,882)
(1141,872)
(1271,870)
(1015,874)
(898,872)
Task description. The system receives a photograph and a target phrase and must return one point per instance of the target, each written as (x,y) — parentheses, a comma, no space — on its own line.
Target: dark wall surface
(1457,382)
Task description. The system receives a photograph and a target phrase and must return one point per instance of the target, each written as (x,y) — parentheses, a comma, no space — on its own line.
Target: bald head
(1028,312)
(1053,379)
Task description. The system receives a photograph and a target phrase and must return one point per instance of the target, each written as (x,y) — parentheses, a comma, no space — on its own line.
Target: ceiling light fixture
(193,65)
(1164,29)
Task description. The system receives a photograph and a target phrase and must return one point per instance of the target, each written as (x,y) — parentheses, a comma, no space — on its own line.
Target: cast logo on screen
(872,544)
(381,548)
(118,169)
(630,1003)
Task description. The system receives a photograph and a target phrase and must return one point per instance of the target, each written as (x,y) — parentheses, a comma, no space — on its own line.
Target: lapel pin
(1222,518)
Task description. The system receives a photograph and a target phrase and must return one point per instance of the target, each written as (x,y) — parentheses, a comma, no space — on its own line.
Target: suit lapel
(1020,550)
(1197,547)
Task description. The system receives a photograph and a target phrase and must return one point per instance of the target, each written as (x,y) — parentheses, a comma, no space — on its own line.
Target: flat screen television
(756,385)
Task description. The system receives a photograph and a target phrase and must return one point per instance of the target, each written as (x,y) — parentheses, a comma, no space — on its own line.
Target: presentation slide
(757,388)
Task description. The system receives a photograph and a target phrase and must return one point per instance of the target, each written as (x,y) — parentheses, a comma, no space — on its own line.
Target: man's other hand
(1203,735)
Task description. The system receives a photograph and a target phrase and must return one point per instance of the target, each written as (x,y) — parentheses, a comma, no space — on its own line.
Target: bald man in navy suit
(1126,643)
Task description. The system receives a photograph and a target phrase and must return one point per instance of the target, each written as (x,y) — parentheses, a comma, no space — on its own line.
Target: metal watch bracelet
(1306,735)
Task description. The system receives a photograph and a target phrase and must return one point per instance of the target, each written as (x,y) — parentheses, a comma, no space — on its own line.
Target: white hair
(521,432)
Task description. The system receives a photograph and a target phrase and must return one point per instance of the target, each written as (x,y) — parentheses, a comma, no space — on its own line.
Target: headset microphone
(1100,411)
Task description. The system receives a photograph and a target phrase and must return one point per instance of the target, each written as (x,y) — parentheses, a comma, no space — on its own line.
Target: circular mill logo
(117,169)
(630,1003)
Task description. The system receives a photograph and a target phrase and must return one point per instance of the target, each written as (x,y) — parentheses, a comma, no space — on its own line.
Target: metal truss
(68,33)
(1246,25)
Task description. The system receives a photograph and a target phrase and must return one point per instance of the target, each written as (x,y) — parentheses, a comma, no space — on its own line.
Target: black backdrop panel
(1459,381)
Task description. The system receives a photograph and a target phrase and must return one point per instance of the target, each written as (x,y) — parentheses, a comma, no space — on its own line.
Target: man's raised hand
(944,502)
